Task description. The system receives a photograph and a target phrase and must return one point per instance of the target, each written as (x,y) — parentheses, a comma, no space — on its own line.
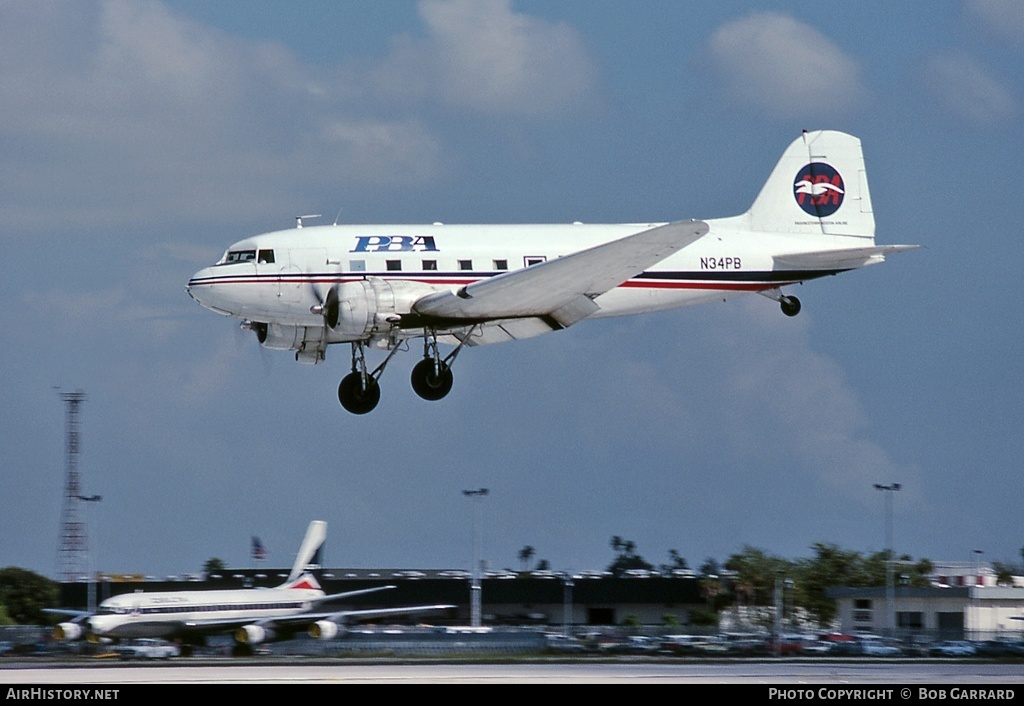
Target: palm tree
(525,554)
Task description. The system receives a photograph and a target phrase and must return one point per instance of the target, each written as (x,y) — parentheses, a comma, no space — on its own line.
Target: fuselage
(163,614)
(280,277)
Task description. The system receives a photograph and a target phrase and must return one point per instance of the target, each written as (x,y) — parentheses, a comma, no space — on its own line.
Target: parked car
(820,647)
(953,648)
(1000,648)
(879,648)
(148,648)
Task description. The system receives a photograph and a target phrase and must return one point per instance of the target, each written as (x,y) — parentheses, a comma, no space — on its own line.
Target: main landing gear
(432,379)
(359,392)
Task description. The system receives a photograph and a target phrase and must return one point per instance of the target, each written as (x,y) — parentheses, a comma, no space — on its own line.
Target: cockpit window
(240,256)
(266,256)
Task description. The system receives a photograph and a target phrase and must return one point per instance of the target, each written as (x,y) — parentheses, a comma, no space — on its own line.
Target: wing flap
(564,288)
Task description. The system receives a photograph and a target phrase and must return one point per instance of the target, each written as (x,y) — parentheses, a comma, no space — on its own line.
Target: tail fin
(315,535)
(819,187)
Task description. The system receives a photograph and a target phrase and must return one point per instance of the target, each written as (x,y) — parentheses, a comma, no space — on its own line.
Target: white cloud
(782,398)
(965,87)
(481,55)
(784,67)
(1004,18)
(125,112)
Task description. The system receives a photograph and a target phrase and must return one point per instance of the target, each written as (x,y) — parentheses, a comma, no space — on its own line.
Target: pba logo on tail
(819,189)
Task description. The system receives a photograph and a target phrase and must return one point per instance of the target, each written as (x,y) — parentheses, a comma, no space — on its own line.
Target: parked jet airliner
(378,286)
(253,615)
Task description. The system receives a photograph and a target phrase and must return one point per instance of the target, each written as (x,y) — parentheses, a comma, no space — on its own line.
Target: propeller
(329,307)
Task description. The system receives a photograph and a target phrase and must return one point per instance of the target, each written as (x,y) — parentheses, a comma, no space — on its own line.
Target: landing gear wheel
(354,398)
(790,305)
(427,384)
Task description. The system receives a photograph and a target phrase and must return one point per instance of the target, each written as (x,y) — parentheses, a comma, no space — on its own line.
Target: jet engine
(253,635)
(326,630)
(68,632)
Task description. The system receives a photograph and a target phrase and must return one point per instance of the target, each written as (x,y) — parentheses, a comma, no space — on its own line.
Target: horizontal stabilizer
(845,259)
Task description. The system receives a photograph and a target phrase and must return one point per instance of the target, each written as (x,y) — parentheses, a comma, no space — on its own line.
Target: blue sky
(141,137)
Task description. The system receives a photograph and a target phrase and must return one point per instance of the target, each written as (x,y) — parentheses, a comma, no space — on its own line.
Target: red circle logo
(819,189)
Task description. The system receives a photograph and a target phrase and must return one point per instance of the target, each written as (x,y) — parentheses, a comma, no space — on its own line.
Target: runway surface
(831,673)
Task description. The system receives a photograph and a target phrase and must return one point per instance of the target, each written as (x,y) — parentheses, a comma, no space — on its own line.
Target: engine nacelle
(371,305)
(326,630)
(253,635)
(68,632)
(307,341)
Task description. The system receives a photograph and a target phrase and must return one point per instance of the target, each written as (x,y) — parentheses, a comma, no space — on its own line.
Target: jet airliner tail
(818,188)
(315,536)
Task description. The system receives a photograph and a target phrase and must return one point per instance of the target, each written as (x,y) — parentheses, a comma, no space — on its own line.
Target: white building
(941,613)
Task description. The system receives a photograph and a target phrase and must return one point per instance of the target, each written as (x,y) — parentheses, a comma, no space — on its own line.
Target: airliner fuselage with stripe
(253,616)
(376,286)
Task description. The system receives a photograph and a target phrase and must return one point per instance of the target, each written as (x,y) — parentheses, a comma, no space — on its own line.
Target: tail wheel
(790,305)
(354,397)
(432,383)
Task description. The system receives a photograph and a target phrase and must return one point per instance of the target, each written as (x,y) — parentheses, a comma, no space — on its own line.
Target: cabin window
(240,256)
(501,264)
(533,260)
(430,264)
(465,264)
(265,257)
(357,265)
(393,265)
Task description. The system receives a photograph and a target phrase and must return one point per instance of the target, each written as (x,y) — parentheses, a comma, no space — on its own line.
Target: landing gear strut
(432,377)
(359,392)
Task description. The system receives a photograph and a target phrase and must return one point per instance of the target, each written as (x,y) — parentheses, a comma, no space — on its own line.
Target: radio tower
(74,543)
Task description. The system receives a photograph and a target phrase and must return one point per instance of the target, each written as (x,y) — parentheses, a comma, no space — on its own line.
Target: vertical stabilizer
(819,187)
(315,536)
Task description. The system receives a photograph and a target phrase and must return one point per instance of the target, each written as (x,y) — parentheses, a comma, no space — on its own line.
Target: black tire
(790,306)
(354,398)
(428,385)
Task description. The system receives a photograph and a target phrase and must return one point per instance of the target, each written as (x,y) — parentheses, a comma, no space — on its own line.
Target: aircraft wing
(349,594)
(380,612)
(562,289)
(71,613)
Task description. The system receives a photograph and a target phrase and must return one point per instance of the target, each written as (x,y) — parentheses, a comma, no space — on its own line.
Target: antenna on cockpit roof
(298,219)
(338,217)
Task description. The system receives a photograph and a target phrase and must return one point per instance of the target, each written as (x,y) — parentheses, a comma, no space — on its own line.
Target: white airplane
(378,286)
(253,616)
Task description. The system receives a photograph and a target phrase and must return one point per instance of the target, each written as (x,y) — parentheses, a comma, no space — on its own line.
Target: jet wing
(562,289)
(303,620)
(380,612)
(349,594)
(69,612)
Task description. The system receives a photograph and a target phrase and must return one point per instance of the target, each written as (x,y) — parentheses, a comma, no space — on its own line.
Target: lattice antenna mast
(74,543)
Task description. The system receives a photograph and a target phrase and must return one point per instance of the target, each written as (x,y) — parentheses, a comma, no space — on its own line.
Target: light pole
(890,616)
(567,586)
(91,559)
(975,596)
(475,588)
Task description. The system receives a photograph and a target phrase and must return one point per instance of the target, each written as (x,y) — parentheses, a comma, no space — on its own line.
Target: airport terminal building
(507,598)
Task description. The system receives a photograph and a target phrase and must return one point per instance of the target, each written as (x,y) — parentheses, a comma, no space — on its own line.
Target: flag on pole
(259,552)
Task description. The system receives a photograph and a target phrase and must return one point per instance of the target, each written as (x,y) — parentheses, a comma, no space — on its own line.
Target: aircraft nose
(201,288)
